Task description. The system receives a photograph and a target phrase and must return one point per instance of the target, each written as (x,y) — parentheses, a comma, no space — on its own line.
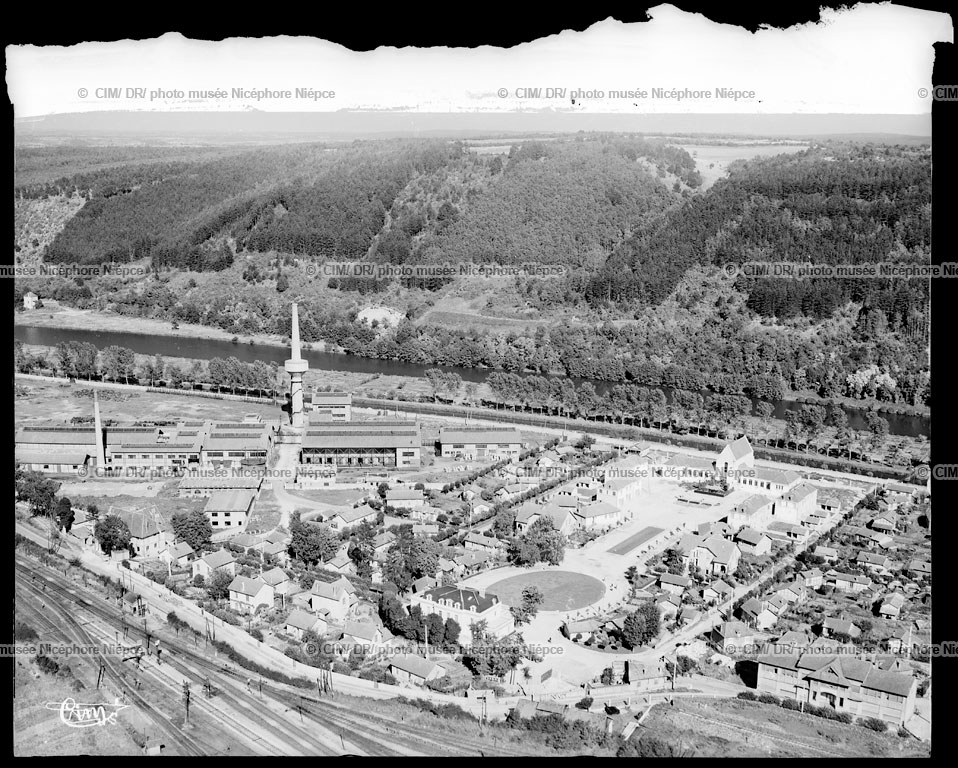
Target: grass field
(734,728)
(561,590)
(624,547)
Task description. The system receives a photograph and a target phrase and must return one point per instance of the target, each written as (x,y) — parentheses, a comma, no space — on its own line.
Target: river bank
(55,315)
(201,342)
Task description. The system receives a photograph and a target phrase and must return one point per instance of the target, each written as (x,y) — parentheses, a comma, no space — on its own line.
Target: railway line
(327,726)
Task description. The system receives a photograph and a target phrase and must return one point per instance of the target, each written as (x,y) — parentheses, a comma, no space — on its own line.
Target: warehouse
(236,445)
(229,509)
(394,444)
(328,406)
(479,443)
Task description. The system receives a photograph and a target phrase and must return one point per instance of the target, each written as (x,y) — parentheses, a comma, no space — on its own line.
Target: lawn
(561,590)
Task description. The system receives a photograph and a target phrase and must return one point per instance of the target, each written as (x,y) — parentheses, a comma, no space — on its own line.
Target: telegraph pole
(186,700)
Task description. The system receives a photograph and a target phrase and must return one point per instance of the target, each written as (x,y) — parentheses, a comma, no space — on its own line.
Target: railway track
(75,632)
(364,733)
(246,715)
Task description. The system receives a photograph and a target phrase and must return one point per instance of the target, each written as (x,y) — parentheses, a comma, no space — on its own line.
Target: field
(733,728)
(712,160)
(561,590)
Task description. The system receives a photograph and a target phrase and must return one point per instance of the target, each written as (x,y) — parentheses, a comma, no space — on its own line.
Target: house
(796,502)
(410,668)
(733,637)
(561,517)
(335,598)
(178,554)
(847,684)
(383,542)
(689,615)
(422,584)
(399,498)
(715,555)
(724,530)
(831,627)
(466,606)
(30,300)
(221,560)
(891,606)
(792,593)
(246,595)
(598,514)
(829,554)
(668,605)
(787,533)
(229,509)
(810,578)
(873,562)
(753,512)
(899,641)
(299,622)
(278,579)
(277,550)
(147,538)
(623,482)
(363,636)
(472,562)
(340,564)
(674,584)
(776,604)
(509,492)
(919,569)
(849,582)
(753,542)
(480,543)
(580,631)
(716,592)
(350,516)
(756,614)
(883,524)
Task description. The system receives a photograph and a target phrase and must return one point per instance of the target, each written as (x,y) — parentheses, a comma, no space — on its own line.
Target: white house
(335,598)
(222,559)
(299,622)
(467,606)
(246,595)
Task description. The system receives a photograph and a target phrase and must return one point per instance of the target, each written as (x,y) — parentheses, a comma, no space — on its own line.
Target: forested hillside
(848,205)
(231,239)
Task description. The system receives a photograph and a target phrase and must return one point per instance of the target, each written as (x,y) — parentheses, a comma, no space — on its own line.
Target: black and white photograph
(543,392)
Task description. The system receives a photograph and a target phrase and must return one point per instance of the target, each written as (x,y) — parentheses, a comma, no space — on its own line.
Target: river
(206,349)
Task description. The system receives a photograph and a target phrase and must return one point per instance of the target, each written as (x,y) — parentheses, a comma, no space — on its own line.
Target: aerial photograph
(594,420)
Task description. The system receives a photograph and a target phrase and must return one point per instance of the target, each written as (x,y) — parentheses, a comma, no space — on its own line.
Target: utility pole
(186,699)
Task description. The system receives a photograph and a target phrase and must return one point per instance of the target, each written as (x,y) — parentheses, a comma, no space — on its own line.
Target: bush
(903,732)
(256,634)
(844,717)
(584,703)
(747,696)
(874,723)
(767,698)
(199,580)
(224,615)
(790,704)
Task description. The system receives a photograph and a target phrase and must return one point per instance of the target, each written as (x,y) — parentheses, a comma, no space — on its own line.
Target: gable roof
(275,576)
(247,586)
(750,536)
(219,558)
(413,665)
(671,578)
(739,448)
(362,630)
(723,550)
(302,619)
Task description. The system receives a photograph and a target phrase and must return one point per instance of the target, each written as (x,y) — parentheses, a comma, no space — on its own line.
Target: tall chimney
(98,434)
(295,333)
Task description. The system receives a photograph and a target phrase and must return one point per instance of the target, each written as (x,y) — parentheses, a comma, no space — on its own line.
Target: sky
(870,59)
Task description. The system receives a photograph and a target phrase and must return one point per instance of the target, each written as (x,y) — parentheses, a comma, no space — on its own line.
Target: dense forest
(230,239)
